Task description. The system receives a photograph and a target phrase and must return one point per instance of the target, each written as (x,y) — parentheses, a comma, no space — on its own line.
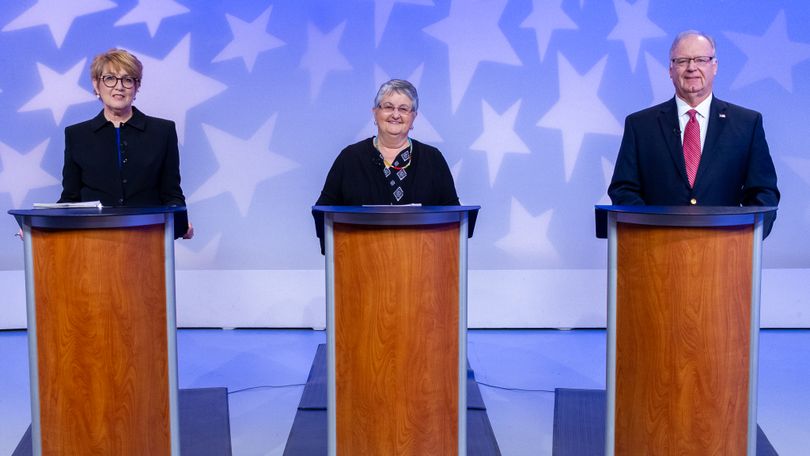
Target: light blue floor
(256,366)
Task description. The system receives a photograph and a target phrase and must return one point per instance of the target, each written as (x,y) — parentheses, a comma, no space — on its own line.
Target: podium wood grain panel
(396,340)
(102,343)
(683,337)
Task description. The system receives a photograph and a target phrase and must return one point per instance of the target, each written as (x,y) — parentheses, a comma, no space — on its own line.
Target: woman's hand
(190,233)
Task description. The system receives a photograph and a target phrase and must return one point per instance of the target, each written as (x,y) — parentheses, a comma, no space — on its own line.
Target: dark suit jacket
(149,173)
(735,165)
(356,178)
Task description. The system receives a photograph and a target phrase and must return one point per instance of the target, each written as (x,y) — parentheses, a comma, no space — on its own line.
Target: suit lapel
(668,121)
(717,123)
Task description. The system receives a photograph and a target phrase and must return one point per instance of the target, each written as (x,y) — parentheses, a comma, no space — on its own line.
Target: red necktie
(691,147)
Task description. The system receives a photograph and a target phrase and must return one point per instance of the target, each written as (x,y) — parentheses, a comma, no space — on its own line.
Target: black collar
(138,120)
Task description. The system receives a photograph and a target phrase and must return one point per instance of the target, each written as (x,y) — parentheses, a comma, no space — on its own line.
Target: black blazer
(356,178)
(735,166)
(149,172)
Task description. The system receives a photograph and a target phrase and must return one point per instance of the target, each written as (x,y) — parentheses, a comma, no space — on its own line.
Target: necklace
(391,165)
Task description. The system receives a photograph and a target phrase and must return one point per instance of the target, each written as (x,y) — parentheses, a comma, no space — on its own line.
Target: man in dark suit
(694,149)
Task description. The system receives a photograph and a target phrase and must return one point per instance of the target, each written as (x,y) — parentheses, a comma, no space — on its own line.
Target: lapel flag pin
(722,115)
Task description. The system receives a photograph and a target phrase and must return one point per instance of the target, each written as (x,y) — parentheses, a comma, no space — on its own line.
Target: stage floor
(517,371)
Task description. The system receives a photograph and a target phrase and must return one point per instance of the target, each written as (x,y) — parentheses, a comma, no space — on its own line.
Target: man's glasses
(388,108)
(110,81)
(699,61)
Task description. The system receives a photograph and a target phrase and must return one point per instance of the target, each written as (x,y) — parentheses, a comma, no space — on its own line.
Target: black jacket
(149,172)
(356,178)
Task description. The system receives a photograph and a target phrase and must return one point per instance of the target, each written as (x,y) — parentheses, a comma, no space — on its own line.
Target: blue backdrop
(525,98)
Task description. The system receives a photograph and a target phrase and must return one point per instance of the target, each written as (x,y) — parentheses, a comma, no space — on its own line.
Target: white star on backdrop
(771,55)
(205,258)
(249,39)
(323,56)
(59,91)
(800,166)
(546,17)
(455,171)
(633,27)
(243,164)
(579,110)
(528,235)
(660,83)
(421,125)
(170,87)
(382,12)
(22,172)
(499,137)
(58,15)
(152,13)
(473,35)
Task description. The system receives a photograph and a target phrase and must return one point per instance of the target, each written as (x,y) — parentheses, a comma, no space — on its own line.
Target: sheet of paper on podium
(80,204)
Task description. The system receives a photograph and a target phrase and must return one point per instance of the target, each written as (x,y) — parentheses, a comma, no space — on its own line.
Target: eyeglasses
(699,61)
(388,108)
(111,81)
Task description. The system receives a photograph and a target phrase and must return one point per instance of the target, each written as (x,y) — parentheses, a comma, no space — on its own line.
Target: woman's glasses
(111,81)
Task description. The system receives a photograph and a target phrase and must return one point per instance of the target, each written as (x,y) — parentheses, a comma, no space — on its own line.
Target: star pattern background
(525,98)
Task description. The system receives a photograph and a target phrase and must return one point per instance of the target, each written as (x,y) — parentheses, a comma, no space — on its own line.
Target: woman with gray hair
(391,167)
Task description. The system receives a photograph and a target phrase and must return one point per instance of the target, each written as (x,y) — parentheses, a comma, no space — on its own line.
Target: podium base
(308,433)
(204,424)
(579,424)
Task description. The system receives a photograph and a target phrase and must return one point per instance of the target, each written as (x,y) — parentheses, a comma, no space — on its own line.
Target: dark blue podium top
(393,214)
(697,216)
(105,217)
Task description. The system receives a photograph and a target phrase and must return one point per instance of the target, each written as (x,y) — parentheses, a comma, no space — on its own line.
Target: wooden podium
(682,328)
(396,318)
(101,330)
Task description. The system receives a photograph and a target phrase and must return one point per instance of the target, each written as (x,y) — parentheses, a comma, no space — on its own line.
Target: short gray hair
(400,86)
(686,33)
